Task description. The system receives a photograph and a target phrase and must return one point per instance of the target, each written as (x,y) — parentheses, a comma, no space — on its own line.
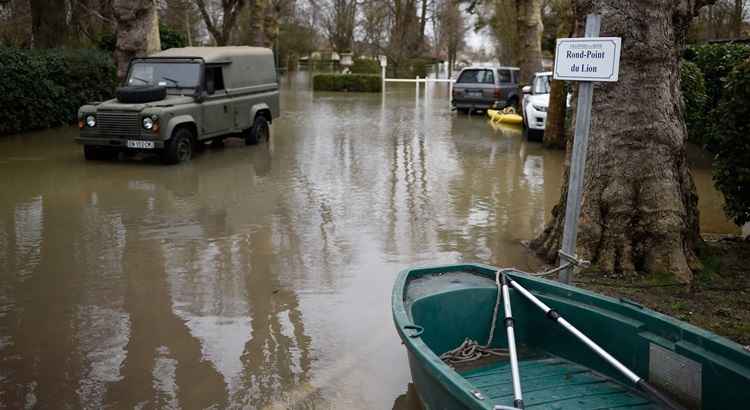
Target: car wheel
(463,111)
(259,132)
(179,148)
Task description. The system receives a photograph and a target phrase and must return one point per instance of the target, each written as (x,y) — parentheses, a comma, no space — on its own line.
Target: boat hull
(700,369)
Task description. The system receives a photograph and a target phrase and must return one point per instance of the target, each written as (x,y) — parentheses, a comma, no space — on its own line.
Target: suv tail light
(498,93)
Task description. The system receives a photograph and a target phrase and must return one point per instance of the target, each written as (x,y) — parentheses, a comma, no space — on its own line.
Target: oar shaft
(515,373)
(577,333)
(638,381)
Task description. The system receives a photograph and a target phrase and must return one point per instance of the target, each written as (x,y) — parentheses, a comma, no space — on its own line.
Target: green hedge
(365,66)
(44,88)
(347,82)
(716,61)
(695,100)
(730,141)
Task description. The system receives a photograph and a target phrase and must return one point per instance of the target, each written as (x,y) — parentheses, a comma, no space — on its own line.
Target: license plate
(140,144)
(475,93)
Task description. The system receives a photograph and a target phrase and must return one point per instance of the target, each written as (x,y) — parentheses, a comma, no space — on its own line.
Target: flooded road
(260,276)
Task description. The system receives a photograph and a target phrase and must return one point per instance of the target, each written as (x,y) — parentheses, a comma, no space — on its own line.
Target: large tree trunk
(48,23)
(738,16)
(257,23)
(639,208)
(529,26)
(554,129)
(137,31)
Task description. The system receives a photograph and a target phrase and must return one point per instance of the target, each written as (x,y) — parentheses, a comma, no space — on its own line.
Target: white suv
(536,102)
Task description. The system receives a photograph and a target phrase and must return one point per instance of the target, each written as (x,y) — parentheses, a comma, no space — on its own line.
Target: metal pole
(578,160)
(382,75)
(514,372)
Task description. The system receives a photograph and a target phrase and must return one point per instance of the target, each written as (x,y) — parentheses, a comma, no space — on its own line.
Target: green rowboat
(436,309)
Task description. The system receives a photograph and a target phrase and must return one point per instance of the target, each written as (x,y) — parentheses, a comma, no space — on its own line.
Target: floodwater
(256,277)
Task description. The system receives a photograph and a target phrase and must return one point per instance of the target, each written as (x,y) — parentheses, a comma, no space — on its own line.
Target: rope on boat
(471,350)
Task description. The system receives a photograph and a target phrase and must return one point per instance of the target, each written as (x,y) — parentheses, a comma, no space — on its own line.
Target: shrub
(171,38)
(695,101)
(731,144)
(716,61)
(365,66)
(44,88)
(168,37)
(347,82)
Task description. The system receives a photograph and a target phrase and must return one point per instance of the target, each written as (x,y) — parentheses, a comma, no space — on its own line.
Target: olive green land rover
(176,100)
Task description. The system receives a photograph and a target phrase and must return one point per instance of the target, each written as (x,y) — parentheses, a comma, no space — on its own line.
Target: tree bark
(422,22)
(257,23)
(555,130)
(739,14)
(639,206)
(230,10)
(530,28)
(48,23)
(137,31)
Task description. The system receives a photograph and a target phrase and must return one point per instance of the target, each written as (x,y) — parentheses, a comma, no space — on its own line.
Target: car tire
(464,111)
(259,132)
(179,148)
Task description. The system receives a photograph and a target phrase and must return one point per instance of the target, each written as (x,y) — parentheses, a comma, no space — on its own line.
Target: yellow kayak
(505,116)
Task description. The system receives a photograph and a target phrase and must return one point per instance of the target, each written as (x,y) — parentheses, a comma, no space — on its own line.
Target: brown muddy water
(256,277)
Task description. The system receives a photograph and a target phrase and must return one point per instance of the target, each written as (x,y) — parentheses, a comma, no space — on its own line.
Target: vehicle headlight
(539,107)
(90,120)
(148,123)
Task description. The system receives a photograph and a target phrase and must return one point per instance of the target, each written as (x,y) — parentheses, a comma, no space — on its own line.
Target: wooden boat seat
(553,383)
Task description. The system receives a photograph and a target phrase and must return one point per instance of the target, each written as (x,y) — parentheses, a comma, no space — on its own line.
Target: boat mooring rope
(471,350)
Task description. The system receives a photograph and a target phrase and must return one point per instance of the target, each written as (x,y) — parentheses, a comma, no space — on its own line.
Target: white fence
(417,80)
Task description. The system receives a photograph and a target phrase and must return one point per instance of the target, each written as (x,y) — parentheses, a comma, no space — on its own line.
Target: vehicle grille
(117,124)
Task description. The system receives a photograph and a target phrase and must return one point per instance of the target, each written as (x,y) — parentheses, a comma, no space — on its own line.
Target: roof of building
(214,54)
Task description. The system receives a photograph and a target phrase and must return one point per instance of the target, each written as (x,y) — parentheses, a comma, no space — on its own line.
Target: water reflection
(260,276)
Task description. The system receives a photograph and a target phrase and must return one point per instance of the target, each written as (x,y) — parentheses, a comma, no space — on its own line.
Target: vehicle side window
(504,76)
(489,77)
(215,77)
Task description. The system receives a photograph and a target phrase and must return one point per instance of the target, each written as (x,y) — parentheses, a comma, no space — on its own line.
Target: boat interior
(557,371)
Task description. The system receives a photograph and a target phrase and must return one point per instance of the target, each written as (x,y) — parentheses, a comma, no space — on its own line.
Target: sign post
(383,64)
(587,59)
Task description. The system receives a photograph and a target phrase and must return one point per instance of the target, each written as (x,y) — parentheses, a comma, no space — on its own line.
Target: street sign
(587,59)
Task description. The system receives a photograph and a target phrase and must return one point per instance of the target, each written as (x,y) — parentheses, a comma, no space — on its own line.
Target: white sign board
(588,59)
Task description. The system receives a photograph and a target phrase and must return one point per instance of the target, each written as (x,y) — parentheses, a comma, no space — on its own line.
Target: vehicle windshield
(541,84)
(170,75)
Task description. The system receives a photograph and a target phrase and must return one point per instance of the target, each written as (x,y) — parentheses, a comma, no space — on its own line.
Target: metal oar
(517,394)
(552,314)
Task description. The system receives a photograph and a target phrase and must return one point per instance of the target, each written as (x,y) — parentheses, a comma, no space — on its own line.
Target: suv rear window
(477,77)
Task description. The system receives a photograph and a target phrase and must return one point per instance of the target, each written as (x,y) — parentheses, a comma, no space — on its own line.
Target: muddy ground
(718,300)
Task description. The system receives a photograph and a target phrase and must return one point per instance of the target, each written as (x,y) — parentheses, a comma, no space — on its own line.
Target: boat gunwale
(461,389)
